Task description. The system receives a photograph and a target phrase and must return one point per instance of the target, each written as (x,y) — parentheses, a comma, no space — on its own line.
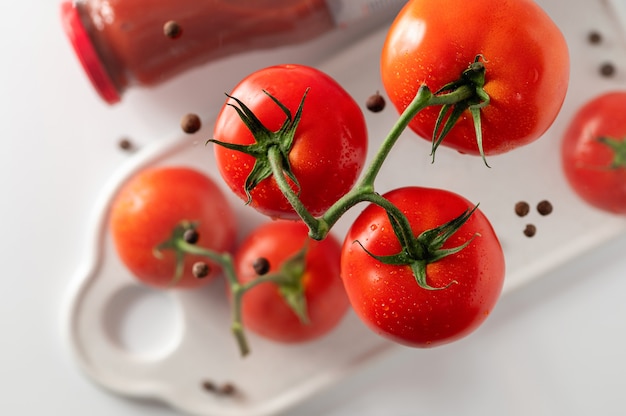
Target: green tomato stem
(316,226)
(237,290)
(422,99)
(364,189)
(402,226)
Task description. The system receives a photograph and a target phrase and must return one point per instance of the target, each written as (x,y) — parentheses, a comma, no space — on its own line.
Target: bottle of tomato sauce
(122,43)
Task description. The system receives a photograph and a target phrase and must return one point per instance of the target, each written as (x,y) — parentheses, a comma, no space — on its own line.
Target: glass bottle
(122,43)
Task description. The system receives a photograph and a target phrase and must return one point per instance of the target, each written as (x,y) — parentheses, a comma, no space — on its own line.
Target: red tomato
(524,52)
(387,297)
(329,147)
(151,204)
(593,152)
(264,310)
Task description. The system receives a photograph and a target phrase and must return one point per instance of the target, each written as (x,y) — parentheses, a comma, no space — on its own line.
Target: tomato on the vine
(148,208)
(463,287)
(593,152)
(325,154)
(264,308)
(525,57)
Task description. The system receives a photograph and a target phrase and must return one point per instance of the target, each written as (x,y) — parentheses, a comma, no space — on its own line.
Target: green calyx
(282,139)
(418,252)
(466,93)
(290,282)
(288,279)
(291,285)
(619,151)
(179,246)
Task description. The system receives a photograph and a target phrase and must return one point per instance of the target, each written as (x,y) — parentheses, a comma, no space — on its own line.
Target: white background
(555,347)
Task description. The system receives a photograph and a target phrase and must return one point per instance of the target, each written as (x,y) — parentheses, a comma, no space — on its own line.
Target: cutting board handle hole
(143,322)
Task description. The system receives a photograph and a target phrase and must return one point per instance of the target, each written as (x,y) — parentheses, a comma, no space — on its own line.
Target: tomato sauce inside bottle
(122,43)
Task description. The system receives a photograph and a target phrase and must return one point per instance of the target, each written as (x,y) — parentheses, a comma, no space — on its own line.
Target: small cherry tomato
(149,207)
(593,152)
(524,53)
(271,249)
(327,151)
(463,286)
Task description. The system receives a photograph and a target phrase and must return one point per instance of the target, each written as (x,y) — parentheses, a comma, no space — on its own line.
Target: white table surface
(555,347)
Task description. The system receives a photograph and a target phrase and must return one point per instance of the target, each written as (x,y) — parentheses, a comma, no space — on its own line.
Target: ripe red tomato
(151,204)
(593,152)
(329,147)
(264,310)
(524,52)
(387,297)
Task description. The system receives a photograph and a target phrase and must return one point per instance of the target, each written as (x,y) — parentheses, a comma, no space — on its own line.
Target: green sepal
(265,140)
(430,244)
(436,237)
(260,171)
(474,79)
(475,111)
(291,285)
(405,238)
(419,271)
(176,243)
(400,259)
(619,151)
(455,112)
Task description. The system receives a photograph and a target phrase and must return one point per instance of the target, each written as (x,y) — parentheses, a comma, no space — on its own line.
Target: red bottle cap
(87,55)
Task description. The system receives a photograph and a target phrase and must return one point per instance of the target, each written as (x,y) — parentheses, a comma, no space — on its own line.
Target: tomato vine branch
(271,152)
(288,278)
(271,149)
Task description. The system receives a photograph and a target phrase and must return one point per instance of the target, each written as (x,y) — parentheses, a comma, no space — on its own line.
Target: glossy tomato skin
(329,148)
(148,207)
(264,311)
(525,55)
(388,299)
(587,162)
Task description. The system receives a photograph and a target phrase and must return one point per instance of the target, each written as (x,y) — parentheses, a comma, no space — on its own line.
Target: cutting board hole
(144,322)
